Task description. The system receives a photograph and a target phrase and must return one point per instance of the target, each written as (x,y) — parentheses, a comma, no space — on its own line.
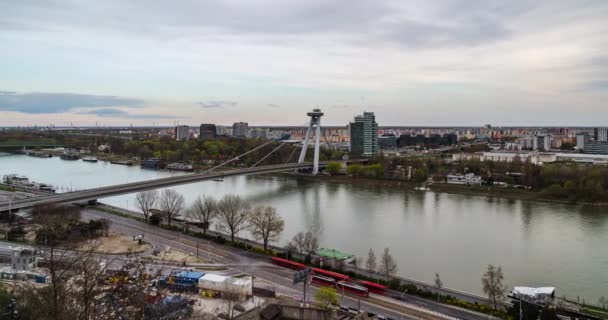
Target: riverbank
(498,192)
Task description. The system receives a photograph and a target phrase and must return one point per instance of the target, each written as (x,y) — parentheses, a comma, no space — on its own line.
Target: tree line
(562,180)
(231,213)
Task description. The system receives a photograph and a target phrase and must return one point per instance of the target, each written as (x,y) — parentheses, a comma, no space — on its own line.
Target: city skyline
(455,63)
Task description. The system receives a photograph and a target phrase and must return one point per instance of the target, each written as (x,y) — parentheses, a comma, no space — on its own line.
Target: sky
(268,62)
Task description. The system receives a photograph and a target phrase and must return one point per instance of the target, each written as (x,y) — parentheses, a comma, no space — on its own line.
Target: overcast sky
(440,62)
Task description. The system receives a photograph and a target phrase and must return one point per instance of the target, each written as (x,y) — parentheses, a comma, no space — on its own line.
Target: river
(536,243)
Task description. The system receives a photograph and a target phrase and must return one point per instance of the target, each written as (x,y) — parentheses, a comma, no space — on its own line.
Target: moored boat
(69,156)
(89,159)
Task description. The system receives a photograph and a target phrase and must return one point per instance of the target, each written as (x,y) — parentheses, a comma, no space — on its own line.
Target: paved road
(274,276)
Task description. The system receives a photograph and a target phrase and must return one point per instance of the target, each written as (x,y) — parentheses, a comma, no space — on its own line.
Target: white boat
(89,159)
(422,189)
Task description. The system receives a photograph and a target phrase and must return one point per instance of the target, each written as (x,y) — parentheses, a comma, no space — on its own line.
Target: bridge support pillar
(315,124)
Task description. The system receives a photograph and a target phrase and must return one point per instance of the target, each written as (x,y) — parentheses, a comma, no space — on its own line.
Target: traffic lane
(278,275)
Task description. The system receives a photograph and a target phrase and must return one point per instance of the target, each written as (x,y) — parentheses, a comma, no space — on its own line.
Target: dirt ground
(114,244)
(172,255)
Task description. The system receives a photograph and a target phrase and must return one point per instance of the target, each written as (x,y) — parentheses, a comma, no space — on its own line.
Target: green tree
(326,296)
(354,170)
(334,168)
(420,175)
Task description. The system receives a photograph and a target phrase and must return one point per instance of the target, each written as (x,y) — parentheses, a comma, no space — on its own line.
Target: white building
(581,140)
(21,258)
(469,179)
(542,142)
(240,129)
(182,133)
(523,156)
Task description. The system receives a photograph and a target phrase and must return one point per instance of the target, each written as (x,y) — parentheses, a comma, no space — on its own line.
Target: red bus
(352,288)
(324,281)
(372,287)
(330,274)
(288,263)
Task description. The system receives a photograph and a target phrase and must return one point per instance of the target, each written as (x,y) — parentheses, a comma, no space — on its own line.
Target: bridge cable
(293,152)
(268,155)
(237,157)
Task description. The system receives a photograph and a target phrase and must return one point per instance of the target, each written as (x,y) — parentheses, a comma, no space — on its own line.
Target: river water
(536,243)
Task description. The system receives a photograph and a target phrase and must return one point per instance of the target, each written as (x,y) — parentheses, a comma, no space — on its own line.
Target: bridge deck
(103,192)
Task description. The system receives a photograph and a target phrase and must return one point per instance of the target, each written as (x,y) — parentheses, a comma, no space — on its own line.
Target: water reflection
(536,243)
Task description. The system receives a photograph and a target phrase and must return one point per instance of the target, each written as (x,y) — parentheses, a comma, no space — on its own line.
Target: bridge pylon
(315,124)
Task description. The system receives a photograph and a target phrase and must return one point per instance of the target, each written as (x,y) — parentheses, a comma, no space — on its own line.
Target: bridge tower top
(315,124)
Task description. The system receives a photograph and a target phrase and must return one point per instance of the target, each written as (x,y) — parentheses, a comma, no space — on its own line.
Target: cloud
(118,113)
(43,103)
(407,23)
(220,104)
(272,105)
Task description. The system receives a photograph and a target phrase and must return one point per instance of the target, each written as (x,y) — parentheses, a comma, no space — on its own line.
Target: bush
(334,168)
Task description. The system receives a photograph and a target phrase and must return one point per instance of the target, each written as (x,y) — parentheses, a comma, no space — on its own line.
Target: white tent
(542,294)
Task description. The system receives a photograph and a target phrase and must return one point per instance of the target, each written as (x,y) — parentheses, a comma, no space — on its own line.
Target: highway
(97,193)
(275,277)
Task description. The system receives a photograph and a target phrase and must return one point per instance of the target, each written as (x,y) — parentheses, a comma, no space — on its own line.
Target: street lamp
(8,219)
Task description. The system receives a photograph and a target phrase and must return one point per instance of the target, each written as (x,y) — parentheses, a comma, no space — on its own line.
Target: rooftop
(333,253)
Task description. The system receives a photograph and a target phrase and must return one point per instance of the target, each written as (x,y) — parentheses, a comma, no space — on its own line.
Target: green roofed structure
(333,254)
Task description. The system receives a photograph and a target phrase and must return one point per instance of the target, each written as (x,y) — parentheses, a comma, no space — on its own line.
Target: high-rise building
(240,129)
(182,133)
(364,135)
(581,141)
(600,134)
(596,147)
(207,131)
(542,142)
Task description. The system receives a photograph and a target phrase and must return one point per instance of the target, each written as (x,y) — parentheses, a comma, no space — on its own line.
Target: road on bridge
(103,192)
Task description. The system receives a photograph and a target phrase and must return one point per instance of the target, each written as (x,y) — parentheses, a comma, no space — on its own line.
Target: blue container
(40,279)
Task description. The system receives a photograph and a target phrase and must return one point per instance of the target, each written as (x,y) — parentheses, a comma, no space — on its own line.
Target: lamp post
(8,220)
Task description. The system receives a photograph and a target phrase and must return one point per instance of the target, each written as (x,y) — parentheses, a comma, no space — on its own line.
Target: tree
(266,224)
(233,212)
(204,210)
(357,262)
(438,283)
(305,243)
(171,203)
(354,170)
(492,284)
(388,266)
(370,264)
(326,296)
(145,202)
(334,168)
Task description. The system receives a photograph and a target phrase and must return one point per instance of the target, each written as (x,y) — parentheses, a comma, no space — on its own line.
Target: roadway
(109,191)
(277,278)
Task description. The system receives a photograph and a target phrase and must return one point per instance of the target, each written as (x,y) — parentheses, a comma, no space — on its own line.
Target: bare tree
(438,283)
(357,262)
(266,224)
(305,243)
(492,284)
(233,212)
(204,210)
(171,203)
(145,202)
(370,264)
(388,266)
